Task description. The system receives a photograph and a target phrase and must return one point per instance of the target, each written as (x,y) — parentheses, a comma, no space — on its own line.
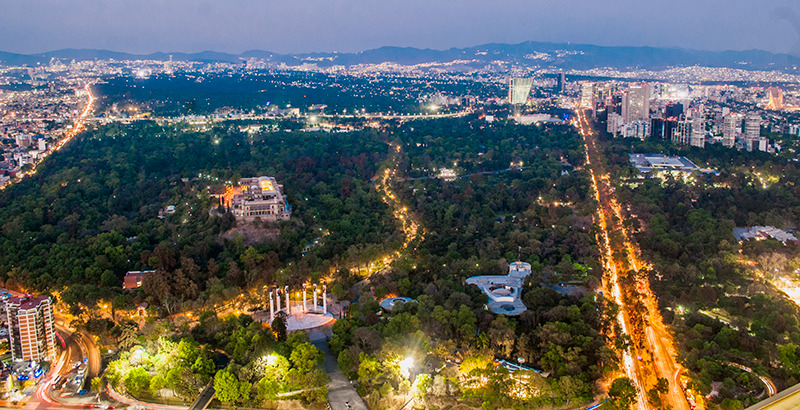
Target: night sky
(290,26)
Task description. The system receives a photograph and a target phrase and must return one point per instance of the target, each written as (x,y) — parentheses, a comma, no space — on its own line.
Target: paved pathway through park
(340,391)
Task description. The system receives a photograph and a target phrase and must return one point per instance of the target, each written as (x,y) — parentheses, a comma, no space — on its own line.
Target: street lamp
(405,366)
(270,359)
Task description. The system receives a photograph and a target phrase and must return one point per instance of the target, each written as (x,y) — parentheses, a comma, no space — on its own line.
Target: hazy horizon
(305,26)
(237,52)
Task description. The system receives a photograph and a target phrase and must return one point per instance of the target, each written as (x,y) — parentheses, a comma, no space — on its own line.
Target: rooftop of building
(27,301)
(391,302)
(660,162)
(763,232)
(504,291)
(264,184)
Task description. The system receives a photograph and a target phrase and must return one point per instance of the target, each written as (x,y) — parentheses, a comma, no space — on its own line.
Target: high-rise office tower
(657,128)
(519,89)
(562,83)
(752,131)
(636,103)
(732,127)
(752,127)
(698,130)
(31,328)
(673,110)
(682,132)
(614,123)
(616,104)
(587,95)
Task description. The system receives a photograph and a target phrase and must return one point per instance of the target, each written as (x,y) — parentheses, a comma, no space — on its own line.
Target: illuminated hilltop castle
(261,197)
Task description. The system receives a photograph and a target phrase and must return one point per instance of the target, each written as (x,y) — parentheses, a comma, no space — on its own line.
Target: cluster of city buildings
(688,115)
(33,119)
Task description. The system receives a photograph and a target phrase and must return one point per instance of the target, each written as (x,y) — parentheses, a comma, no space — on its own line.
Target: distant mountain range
(546,55)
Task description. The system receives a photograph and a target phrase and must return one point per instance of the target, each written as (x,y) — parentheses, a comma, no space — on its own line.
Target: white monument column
(271,308)
(278,298)
(305,307)
(315,298)
(324,299)
(288,306)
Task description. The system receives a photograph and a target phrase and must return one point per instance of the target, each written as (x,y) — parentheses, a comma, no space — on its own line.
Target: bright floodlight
(405,366)
(270,359)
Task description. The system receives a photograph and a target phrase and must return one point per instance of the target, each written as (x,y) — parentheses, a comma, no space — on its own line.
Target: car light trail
(80,124)
(650,337)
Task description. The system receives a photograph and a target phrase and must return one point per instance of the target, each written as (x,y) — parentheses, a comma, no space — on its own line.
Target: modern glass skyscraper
(519,89)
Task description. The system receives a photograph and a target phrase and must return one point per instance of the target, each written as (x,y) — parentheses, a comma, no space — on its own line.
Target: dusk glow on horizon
(356,25)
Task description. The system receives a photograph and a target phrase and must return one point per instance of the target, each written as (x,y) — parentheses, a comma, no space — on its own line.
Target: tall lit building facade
(698,138)
(752,131)
(752,127)
(636,103)
(562,83)
(731,128)
(682,132)
(614,123)
(587,95)
(518,90)
(775,99)
(31,328)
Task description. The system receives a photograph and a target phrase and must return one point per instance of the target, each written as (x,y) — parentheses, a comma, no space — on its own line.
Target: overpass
(787,399)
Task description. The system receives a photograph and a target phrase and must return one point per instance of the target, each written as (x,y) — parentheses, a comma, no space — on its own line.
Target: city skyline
(353,25)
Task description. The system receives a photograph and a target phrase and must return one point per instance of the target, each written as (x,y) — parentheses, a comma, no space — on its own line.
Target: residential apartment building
(31,328)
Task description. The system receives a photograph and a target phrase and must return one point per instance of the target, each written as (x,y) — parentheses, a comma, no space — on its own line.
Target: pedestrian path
(341,392)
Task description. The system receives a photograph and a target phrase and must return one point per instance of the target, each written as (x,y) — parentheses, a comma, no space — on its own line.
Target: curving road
(785,400)
(771,390)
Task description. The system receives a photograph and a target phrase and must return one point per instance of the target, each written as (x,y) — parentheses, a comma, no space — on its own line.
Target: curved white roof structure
(504,292)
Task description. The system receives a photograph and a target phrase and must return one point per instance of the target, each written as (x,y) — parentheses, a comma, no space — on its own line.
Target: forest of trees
(257,367)
(205,93)
(90,213)
(476,225)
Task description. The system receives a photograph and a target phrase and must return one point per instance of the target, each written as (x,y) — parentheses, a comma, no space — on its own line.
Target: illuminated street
(652,352)
(78,126)
(411,228)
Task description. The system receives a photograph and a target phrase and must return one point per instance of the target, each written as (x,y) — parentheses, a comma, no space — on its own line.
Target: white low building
(504,292)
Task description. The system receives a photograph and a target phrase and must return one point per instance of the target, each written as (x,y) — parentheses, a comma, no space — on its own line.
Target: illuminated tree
(622,393)
(229,389)
(137,381)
